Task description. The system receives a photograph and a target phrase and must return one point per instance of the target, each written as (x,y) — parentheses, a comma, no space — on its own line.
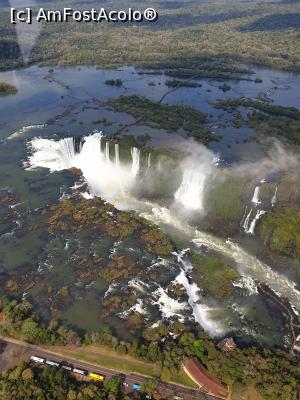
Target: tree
(113,386)
(149,387)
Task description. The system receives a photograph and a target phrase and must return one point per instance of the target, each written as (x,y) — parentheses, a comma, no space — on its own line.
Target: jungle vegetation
(268,119)
(215,276)
(163,116)
(26,382)
(6,89)
(225,32)
(274,373)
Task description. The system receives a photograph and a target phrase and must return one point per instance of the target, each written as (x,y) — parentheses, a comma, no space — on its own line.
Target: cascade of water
(244,216)
(104,178)
(200,311)
(135,167)
(149,161)
(254,221)
(81,144)
(107,151)
(274,198)
(68,147)
(117,155)
(255,198)
(190,192)
(246,222)
(114,185)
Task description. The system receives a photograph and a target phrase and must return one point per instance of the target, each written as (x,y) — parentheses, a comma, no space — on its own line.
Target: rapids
(114,181)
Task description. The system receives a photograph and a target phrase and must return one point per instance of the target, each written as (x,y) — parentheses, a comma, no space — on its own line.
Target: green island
(6,89)
(215,276)
(175,83)
(75,215)
(163,116)
(280,230)
(226,204)
(114,82)
(268,119)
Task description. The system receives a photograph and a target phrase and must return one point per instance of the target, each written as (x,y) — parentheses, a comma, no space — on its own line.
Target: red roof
(207,381)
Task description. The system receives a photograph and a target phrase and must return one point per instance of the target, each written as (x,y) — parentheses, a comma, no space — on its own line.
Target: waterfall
(274,198)
(105,178)
(200,311)
(247,264)
(117,155)
(149,161)
(135,154)
(107,151)
(251,229)
(255,198)
(246,222)
(114,184)
(190,192)
(244,216)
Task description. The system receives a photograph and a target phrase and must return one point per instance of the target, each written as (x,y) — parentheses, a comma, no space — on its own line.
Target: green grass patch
(124,363)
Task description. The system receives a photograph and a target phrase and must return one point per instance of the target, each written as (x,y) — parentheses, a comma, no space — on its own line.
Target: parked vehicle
(52,363)
(96,377)
(136,386)
(80,371)
(66,367)
(37,359)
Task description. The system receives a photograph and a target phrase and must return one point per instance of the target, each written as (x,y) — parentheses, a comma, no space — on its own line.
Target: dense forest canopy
(222,30)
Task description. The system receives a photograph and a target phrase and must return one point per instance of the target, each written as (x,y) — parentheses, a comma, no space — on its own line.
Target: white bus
(52,363)
(79,371)
(37,359)
(66,367)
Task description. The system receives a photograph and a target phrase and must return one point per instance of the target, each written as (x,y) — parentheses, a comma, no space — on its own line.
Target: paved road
(129,378)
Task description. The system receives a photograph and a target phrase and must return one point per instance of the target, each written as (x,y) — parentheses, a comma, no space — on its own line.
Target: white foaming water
(106,151)
(247,264)
(18,134)
(201,312)
(149,161)
(112,287)
(117,155)
(246,283)
(168,307)
(196,171)
(274,198)
(255,198)
(138,307)
(247,220)
(104,177)
(138,284)
(252,226)
(190,192)
(135,154)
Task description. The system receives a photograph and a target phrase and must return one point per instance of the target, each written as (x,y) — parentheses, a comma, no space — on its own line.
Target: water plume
(104,177)
(197,167)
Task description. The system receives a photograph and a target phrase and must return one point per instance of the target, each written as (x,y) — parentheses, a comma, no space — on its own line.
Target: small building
(227,345)
(206,381)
